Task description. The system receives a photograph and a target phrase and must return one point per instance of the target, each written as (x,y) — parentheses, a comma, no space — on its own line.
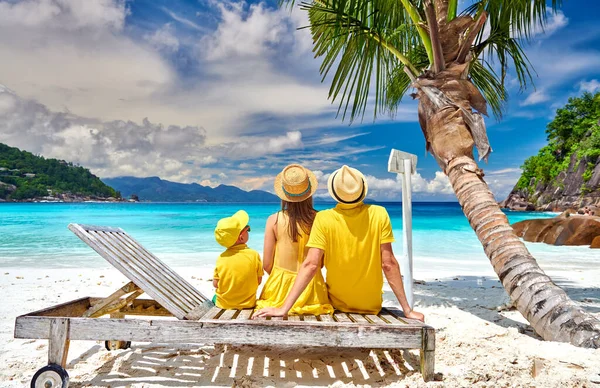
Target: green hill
(566,172)
(25,176)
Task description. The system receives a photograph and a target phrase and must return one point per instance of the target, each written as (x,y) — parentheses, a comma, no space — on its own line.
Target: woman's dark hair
(300,214)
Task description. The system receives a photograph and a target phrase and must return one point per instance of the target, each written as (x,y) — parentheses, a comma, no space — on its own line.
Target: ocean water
(35,235)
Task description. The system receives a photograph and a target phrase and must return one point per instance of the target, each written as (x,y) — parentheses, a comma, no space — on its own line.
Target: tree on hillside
(387,46)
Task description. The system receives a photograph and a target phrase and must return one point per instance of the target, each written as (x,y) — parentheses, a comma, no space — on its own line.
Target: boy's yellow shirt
(238,270)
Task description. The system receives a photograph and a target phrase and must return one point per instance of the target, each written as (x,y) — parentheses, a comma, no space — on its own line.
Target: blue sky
(228,92)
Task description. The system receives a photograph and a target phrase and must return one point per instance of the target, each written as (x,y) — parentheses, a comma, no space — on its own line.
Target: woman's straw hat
(295,183)
(347,185)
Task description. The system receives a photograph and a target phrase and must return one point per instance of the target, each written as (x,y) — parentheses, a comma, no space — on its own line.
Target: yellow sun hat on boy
(229,228)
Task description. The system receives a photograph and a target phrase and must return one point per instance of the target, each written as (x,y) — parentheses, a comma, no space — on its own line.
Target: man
(357,240)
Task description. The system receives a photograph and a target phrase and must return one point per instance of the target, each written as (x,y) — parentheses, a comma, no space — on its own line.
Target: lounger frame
(123,316)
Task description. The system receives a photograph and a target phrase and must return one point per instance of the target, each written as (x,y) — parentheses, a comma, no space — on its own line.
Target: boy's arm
(307,271)
(391,269)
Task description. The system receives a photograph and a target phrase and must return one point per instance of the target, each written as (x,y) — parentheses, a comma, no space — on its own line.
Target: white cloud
(242,34)
(391,188)
(108,148)
(589,86)
(164,38)
(64,14)
(555,22)
(257,146)
(183,20)
(536,97)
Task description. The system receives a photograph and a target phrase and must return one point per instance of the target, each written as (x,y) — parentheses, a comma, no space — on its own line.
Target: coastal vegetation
(457,68)
(24,176)
(574,131)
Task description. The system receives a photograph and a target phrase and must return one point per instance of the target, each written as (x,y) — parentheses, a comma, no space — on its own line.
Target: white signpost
(405,164)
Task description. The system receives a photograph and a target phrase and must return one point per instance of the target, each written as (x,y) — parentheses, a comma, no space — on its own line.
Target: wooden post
(58,341)
(428,354)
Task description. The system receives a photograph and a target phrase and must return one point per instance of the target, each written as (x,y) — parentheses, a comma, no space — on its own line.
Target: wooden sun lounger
(198,320)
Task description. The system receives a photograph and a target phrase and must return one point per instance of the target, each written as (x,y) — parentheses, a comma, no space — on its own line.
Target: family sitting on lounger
(353,241)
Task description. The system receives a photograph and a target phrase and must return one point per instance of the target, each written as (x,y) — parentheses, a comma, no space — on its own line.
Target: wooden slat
(185,296)
(326,318)
(198,311)
(294,318)
(276,318)
(126,289)
(244,314)
(375,319)
(341,317)
(399,314)
(117,305)
(358,318)
(310,318)
(188,289)
(147,274)
(151,289)
(227,315)
(74,308)
(320,334)
(164,274)
(213,313)
(391,319)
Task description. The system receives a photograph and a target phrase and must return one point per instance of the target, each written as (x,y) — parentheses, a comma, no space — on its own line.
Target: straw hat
(347,185)
(229,228)
(295,183)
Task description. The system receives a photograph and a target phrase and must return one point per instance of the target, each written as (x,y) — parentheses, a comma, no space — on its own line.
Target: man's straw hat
(295,183)
(347,185)
(229,228)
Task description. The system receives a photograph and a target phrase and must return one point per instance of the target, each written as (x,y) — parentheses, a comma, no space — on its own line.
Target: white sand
(476,345)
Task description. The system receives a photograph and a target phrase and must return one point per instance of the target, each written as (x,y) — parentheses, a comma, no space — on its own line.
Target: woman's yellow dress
(289,256)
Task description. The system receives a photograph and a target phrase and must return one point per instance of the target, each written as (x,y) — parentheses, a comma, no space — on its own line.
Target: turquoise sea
(35,235)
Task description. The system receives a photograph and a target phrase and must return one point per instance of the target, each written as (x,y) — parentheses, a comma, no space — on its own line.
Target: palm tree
(457,68)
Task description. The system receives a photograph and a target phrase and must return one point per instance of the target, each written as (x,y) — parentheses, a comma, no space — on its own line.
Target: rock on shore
(561,230)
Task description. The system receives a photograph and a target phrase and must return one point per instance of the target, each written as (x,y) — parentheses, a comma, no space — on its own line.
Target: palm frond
(486,80)
(511,24)
(360,42)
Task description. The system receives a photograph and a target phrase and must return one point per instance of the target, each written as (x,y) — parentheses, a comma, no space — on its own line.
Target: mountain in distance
(155,189)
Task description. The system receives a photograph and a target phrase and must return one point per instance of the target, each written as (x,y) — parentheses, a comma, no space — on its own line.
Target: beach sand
(476,345)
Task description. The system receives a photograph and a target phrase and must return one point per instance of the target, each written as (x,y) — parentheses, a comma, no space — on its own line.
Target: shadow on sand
(248,366)
(485,298)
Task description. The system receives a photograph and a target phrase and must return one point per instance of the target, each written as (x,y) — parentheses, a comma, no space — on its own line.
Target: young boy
(239,270)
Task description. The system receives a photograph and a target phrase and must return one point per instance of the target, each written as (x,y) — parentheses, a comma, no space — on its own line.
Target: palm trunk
(552,314)
(451,129)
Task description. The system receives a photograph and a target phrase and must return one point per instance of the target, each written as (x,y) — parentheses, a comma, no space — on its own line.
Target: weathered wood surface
(249,332)
(198,311)
(58,346)
(143,268)
(74,308)
(126,289)
(428,354)
(145,307)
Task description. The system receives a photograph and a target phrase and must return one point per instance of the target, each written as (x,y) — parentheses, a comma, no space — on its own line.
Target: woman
(286,235)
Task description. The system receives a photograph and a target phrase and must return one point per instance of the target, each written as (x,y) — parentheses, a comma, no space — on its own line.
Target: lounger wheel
(115,345)
(50,376)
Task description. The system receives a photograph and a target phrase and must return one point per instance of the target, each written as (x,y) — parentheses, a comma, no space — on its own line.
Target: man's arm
(391,269)
(307,271)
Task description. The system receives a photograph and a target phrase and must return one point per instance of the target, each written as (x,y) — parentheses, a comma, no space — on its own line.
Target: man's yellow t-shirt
(351,239)
(238,270)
